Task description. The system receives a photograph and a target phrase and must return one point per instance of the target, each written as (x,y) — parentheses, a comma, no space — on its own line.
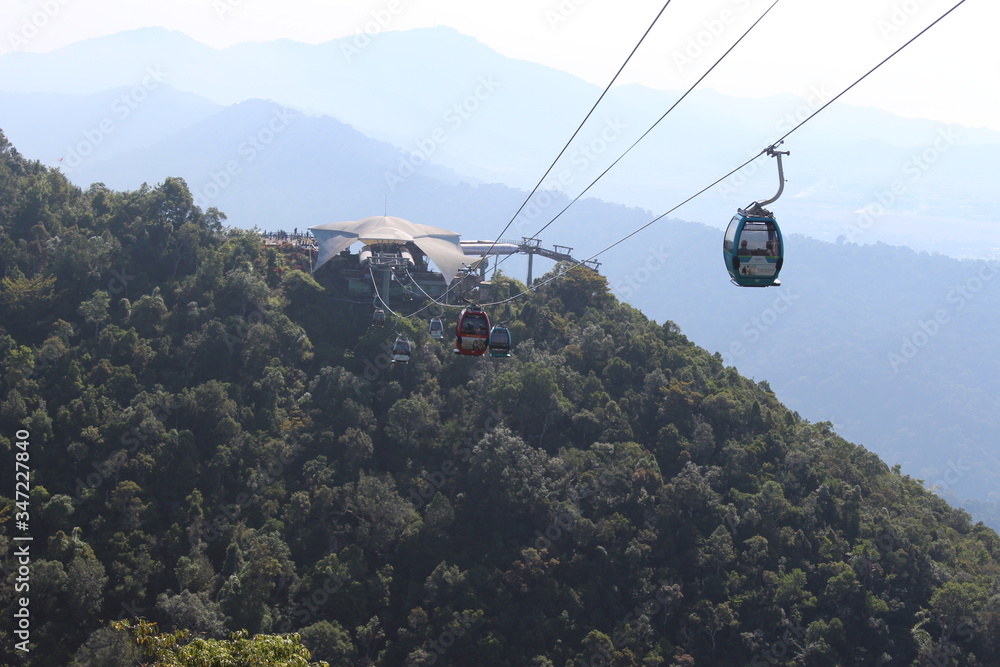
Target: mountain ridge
(514,126)
(887,203)
(316,169)
(218,446)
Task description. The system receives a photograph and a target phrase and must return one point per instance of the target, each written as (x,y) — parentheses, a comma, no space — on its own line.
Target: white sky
(950,74)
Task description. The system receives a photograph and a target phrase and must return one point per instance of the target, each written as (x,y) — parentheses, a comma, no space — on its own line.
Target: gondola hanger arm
(771,150)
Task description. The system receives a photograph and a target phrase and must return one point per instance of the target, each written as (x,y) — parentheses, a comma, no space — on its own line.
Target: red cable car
(473,331)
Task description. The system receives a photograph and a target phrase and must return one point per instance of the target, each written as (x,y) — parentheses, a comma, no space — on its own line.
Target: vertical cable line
(381,300)
(577,131)
(627,150)
(430,298)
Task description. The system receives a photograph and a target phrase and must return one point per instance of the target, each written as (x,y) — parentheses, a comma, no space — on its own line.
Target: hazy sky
(810,48)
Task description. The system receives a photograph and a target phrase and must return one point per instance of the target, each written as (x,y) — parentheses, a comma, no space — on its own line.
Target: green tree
(26,301)
(194,612)
(178,649)
(331,642)
(381,514)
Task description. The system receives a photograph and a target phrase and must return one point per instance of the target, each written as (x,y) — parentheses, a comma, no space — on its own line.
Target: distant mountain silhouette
(88,129)
(457,103)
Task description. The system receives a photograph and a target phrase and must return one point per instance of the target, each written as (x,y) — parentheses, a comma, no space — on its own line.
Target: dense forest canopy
(224,468)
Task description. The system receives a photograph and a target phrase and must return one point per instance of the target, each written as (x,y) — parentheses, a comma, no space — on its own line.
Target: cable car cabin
(500,342)
(378,318)
(401,351)
(436,328)
(753,248)
(473,331)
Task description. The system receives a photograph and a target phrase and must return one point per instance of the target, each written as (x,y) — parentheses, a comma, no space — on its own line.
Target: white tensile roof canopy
(440,245)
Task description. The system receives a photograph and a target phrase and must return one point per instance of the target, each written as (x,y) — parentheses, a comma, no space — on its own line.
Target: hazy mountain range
(449,99)
(432,126)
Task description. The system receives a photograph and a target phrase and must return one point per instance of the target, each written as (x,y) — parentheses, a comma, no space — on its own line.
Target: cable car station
(401,261)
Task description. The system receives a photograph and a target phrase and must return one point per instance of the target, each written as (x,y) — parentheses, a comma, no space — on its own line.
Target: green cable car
(499,341)
(753,248)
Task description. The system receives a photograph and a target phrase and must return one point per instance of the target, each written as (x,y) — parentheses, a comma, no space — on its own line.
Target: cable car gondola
(500,341)
(753,248)
(378,318)
(473,331)
(401,350)
(436,328)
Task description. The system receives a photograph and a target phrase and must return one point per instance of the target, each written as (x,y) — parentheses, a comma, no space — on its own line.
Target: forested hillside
(217,446)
